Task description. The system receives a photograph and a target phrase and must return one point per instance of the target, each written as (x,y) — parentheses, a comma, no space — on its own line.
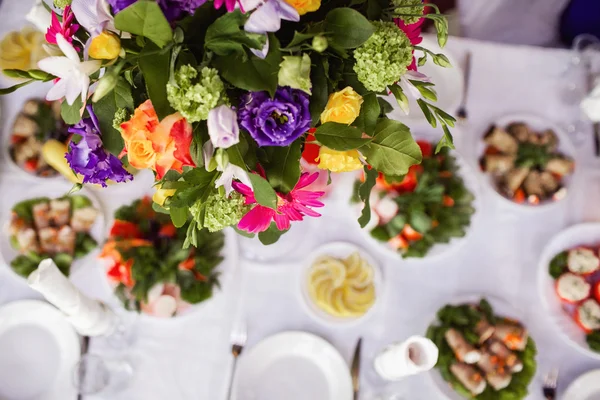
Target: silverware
(462,110)
(239,336)
(355,369)
(85,347)
(550,382)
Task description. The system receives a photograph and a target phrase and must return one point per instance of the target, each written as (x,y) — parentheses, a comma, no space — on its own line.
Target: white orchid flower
(267,18)
(93,15)
(229,173)
(409,89)
(74,74)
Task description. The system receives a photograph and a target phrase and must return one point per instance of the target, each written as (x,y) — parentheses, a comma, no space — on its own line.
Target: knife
(355,369)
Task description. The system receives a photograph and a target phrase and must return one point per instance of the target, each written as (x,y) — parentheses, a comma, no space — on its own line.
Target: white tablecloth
(188,359)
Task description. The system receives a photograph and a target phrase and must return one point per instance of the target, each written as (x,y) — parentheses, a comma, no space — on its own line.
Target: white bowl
(501,308)
(51,189)
(440,250)
(538,124)
(339,250)
(582,234)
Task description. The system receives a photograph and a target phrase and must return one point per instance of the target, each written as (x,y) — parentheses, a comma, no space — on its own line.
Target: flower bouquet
(220,98)
(148,267)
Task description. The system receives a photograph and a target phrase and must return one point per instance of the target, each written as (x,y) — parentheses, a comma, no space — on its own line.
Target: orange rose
(157,145)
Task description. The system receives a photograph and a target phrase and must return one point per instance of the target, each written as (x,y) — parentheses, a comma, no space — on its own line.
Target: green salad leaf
(558,265)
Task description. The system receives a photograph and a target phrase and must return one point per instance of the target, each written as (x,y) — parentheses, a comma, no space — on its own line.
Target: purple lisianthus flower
(89,158)
(275,121)
(174,10)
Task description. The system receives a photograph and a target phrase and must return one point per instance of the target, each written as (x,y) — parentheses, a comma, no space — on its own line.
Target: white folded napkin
(416,354)
(591,104)
(88,316)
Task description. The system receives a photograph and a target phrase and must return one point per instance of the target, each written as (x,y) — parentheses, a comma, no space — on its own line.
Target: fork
(549,387)
(239,335)
(462,110)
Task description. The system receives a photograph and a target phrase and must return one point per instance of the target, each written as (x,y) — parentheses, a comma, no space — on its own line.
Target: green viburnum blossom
(412,7)
(194,93)
(384,58)
(220,211)
(121,115)
(294,71)
(62,3)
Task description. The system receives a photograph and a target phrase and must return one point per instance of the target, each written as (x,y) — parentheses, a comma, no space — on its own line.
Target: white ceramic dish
(292,366)
(449,85)
(339,250)
(51,189)
(440,250)
(565,146)
(500,307)
(586,387)
(39,351)
(582,234)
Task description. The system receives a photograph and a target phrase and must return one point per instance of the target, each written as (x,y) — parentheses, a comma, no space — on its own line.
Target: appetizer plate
(578,235)
(440,250)
(39,351)
(449,84)
(338,250)
(292,366)
(586,387)
(501,308)
(537,123)
(51,189)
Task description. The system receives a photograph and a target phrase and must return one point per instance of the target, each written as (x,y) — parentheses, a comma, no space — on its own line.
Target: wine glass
(94,374)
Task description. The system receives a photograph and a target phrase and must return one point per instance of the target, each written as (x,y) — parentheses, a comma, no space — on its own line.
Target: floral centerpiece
(220,98)
(149,269)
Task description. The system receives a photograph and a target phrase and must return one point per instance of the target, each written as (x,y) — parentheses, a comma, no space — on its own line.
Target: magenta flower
(66,28)
(229,4)
(290,207)
(413,31)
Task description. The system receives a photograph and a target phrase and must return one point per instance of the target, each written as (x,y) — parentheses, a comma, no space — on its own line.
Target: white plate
(582,234)
(440,250)
(51,190)
(500,307)
(339,250)
(586,387)
(449,84)
(537,123)
(39,351)
(292,366)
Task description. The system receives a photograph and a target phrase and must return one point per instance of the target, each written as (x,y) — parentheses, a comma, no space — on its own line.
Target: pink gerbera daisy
(290,207)
(413,31)
(66,28)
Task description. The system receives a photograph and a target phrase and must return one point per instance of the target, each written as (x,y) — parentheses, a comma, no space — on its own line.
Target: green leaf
(300,38)
(320,93)
(16,73)
(393,149)
(427,112)
(271,235)
(251,73)
(179,216)
(13,88)
(340,137)
(284,166)
(369,112)
(400,97)
(122,94)
(71,114)
(558,265)
(385,106)
(155,68)
(348,28)
(420,221)
(445,141)
(145,18)
(224,36)
(441,60)
(425,91)
(364,193)
(263,192)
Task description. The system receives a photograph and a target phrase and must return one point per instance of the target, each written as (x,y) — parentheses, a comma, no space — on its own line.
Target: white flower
(409,89)
(93,15)
(74,74)
(223,127)
(229,173)
(267,18)
(39,16)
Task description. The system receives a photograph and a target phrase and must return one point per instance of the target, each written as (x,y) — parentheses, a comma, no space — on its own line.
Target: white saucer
(586,387)
(39,351)
(292,366)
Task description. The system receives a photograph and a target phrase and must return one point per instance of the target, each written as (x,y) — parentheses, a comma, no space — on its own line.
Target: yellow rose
(140,151)
(342,107)
(161,195)
(339,161)
(105,46)
(304,6)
